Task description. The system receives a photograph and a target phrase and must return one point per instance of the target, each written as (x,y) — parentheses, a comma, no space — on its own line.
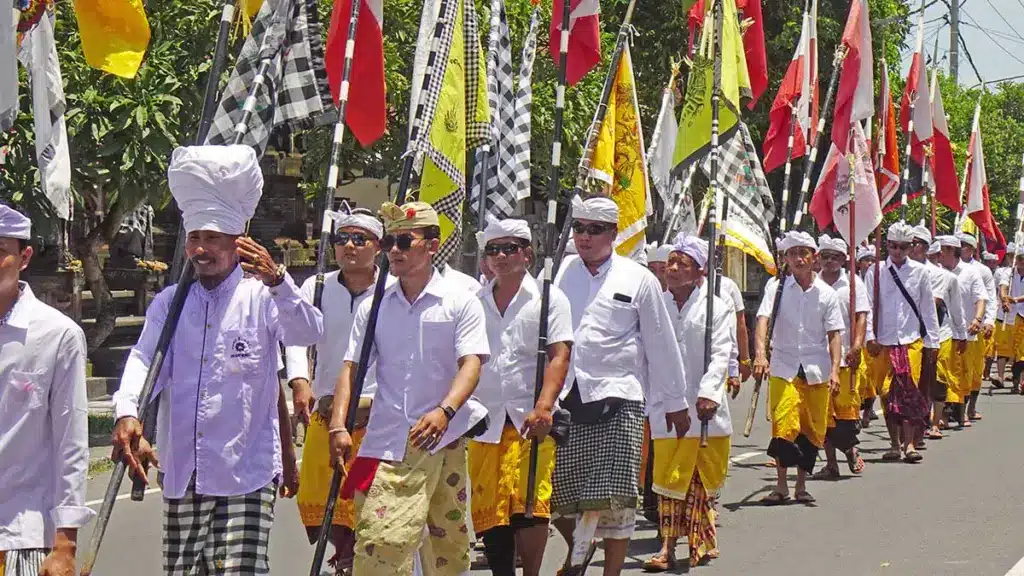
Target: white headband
(365,221)
(507,228)
(598,209)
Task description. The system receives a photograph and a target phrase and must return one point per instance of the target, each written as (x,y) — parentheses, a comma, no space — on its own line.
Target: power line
(1002,35)
(1003,18)
(990,37)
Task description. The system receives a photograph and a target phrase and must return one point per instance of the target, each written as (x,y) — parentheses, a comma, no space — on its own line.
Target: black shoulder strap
(913,306)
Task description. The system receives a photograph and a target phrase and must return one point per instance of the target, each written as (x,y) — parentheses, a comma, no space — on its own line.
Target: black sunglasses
(506,249)
(343,238)
(591,229)
(402,241)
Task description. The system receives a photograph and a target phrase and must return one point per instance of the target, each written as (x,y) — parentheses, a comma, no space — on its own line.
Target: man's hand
(302,399)
(874,348)
(989,328)
(427,432)
(706,409)
(290,481)
(833,382)
(538,423)
(961,346)
(974,327)
(853,358)
(745,370)
(761,365)
(341,449)
(732,387)
(256,261)
(129,445)
(679,421)
(1006,304)
(61,559)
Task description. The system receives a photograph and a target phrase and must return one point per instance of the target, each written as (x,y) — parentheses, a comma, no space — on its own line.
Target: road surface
(958,512)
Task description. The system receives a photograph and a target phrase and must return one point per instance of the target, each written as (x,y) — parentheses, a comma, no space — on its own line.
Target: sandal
(975,417)
(826,473)
(920,445)
(775,498)
(891,456)
(660,563)
(856,463)
(913,457)
(771,463)
(804,498)
(997,383)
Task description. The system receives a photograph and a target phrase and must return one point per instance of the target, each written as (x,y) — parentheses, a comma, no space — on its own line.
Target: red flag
(366,112)
(977,201)
(947,184)
(855,96)
(831,200)
(753,44)
(916,92)
(584,50)
(798,89)
(887,157)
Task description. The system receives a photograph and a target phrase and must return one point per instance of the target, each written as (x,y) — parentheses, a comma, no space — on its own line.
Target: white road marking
(1018,569)
(744,456)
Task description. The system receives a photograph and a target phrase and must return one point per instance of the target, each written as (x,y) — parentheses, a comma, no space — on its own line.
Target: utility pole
(954,39)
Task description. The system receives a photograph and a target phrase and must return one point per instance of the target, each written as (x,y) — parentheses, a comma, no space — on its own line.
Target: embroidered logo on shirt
(241,348)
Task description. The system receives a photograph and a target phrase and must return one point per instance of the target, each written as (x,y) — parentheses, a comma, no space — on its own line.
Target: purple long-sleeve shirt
(219,385)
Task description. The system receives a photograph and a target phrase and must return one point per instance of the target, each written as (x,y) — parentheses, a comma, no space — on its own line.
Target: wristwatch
(449,412)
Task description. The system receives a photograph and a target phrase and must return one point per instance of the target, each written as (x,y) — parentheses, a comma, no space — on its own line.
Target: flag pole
(147,404)
(327,224)
(1019,236)
(382,274)
(812,158)
(967,166)
(788,171)
(852,248)
(908,135)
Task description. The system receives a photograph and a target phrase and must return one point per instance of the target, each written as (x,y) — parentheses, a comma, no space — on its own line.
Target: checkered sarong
(600,467)
(296,90)
(217,534)
(22,562)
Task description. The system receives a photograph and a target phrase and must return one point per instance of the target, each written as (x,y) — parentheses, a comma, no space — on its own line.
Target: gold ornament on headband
(392,213)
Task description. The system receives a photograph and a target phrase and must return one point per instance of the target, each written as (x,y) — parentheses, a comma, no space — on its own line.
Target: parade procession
(609,308)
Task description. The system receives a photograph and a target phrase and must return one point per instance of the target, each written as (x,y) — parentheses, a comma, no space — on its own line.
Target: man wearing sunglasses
(356,240)
(499,459)
(621,326)
(429,343)
(908,330)
(804,368)
(968,250)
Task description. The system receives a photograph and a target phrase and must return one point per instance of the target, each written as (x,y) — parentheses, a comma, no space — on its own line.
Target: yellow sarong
(975,358)
(675,460)
(949,370)
(3,563)
(846,404)
(799,408)
(315,475)
(880,370)
(990,341)
(1018,341)
(1004,340)
(498,474)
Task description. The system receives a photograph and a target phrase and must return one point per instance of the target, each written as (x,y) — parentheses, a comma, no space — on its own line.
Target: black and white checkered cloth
(218,535)
(296,90)
(742,179)
(508,163)
(23,562)
(599,469)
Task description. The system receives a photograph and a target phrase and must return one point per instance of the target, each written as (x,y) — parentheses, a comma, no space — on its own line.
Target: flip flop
(826,473)
(934,435)
(660,563)
(997,383)
(771,463)
(804,498)
(775,498)
(913,457)
(856,463)
(975,418)
(920,445)
(891,456)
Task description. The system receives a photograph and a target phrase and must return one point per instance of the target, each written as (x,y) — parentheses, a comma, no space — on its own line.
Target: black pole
(788,172)
(378,292)
(905,184)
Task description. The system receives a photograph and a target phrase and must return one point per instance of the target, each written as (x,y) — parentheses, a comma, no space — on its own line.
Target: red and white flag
(830,204)
(947,184)
(366,114)
(584,49)
(754,49)
(855,98)
(887,157)
(797,97)
(916,93)
(977,202)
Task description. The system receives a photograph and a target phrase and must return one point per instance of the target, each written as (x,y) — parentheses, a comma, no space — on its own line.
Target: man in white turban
(1003,347)
(976,354)
(866,256)
(223,431)
(44,436)
(686,477)
(657,259)
(804,368)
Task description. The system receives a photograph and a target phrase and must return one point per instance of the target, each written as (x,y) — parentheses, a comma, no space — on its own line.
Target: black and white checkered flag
(296,90)
(508,163)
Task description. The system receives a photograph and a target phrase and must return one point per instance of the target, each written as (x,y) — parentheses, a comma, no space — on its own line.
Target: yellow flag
(460,118)
(619,159)
(115,34)
(969,227)
(693,141)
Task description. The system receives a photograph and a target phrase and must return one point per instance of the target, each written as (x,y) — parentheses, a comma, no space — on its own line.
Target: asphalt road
(958,512)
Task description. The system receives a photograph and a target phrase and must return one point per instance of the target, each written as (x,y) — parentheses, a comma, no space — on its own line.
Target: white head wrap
(900,232)
(866,252)
(967,239)
(656,253)
(921,233)
(216,187)
(826,242)
(367,222)
(989,256)
(14,224)
(935,247)
(693,246)
(599,209)
(507,228)
(948,240)
(796,239)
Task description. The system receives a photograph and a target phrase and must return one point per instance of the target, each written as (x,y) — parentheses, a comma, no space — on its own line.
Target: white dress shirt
(1016,290)
(897,323)
(946,287)
(972,291)
(465,281)
(801,328)
(624,347)
(862,304)
(507,382)
(219,385)
(991,303)
(1001,277)
(417,346)
(730,292)
(339,307)
(44,431)
(688,325)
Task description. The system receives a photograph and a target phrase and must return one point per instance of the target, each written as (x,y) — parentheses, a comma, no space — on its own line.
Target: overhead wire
(990,37)
(1003,18)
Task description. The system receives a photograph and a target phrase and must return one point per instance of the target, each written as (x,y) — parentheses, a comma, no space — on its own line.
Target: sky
(996,46)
